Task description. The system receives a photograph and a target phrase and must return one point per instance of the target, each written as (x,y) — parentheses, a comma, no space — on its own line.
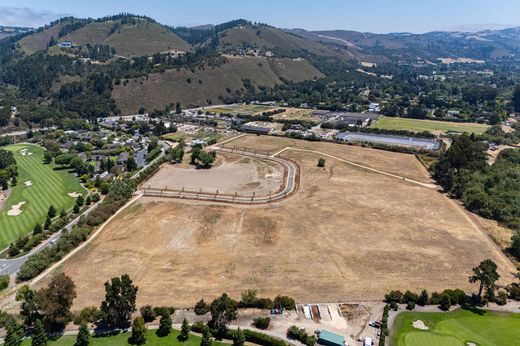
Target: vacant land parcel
(347,234)
(39,186)
(456,328)
(418,125)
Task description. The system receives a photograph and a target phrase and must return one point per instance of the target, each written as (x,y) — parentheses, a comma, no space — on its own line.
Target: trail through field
(430,186)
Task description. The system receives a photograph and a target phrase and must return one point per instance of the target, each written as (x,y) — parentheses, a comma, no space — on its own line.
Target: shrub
(201,308)
(261,322)
(410,297)
(89,314)
(4,282)
(148,313)
(501,298)
(321,162)
(445,302)
(285,302)
(394,297)
(198,327)
(163,310)
(301,335)
(410,305)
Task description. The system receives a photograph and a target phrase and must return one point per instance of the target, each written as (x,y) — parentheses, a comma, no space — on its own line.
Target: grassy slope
(145,39)
(269,38)
(163,88)
(141,39)
(391,123)
(122,339)
(50,187)
(456,328)
(38,41)
(93,33)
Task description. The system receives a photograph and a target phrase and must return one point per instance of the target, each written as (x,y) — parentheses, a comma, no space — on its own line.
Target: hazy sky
(360,15)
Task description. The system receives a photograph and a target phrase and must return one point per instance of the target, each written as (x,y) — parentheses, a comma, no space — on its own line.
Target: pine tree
(39,337)
(239,338)
(83,338)
(52,212)
(206,337)
(165,324)
(48,223)
(37,229)
(185,330)
(13,337)
(139,331)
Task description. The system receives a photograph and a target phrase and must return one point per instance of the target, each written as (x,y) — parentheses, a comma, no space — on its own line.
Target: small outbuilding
(330,339)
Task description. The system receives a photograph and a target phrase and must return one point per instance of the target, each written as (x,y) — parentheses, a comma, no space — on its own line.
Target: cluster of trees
(202,158)
(485,274)
(249,299)
(301,335)
(492,191)
(8,168)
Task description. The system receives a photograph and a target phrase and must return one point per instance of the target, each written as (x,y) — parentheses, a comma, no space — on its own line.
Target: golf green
(456,328)
(39,186)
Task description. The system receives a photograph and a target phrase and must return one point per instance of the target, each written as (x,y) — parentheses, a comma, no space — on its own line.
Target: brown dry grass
(347,235)
(160,89)
(396,163)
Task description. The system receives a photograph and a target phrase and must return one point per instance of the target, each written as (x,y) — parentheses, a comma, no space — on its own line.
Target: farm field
(122,339)
(48,186)
(435,126)
(341,237)
(456,328)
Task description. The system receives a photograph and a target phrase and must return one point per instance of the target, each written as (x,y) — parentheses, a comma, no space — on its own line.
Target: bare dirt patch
(234,174)
(348,235)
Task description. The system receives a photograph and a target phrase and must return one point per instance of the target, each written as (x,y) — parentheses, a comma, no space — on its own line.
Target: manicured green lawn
(418,125)
(457,328)
(50,186)
(122,339)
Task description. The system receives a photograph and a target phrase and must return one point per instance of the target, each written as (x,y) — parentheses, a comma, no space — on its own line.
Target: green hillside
(196,88)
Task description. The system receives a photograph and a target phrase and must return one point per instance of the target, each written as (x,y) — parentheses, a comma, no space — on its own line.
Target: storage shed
(330,339)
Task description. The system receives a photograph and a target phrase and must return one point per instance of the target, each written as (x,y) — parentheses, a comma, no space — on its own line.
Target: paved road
(290,184)
(11,266)
(24,132)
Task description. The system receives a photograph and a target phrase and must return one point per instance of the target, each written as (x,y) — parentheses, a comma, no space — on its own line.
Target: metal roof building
(330,339)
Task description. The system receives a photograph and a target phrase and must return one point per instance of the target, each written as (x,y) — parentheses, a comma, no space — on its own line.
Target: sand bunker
(16,209)
(471,344)
(25,152)
(28,183)
(74,194)
(420,325)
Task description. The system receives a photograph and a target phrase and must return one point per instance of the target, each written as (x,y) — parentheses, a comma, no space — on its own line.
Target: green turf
(122,339)
(456,328)
(51,186)
(418,125)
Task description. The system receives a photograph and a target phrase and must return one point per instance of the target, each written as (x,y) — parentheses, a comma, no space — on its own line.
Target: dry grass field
(346,235)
